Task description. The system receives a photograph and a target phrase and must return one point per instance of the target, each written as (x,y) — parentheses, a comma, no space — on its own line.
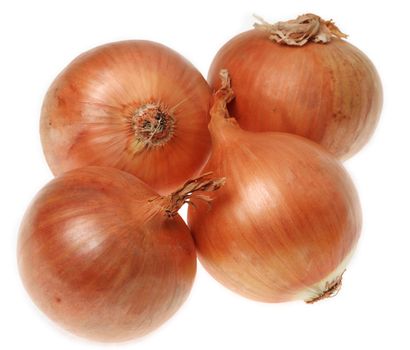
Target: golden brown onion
(300,77)
(104,256)
(286,222)
(135,105)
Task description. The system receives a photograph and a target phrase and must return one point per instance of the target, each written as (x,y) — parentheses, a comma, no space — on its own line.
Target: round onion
(301,77)
(286,222)
(135,105)
(106,257)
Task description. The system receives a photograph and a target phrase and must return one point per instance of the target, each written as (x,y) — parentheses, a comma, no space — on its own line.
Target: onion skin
(330,93)
(285,223)
(88,114)
(101,260)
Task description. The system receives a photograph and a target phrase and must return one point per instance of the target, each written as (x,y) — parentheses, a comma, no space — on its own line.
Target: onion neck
(191,191)
(300,31)
(221,121)
(153,125)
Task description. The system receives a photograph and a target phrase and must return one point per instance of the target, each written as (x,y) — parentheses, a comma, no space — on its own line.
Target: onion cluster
(128,127)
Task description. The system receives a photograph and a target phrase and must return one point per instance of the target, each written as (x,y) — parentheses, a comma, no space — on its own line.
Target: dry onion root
(134,105)
(104,256)
(301,77)
(288,219)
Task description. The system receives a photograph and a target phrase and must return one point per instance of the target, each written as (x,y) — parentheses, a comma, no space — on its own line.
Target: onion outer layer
(287,220)
(133,105)
(104,256)
(285,81)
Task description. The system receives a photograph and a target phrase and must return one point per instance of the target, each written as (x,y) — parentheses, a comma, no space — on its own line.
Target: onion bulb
(288,219)
(104,256)
(135,105)
(301,77)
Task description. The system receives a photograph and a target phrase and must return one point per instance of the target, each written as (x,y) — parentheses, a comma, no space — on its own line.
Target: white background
(38,38)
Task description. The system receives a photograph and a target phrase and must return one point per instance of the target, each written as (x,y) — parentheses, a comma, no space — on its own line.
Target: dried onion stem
(299,31)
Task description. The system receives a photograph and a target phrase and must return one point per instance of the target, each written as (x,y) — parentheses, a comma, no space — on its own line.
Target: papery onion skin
(100,259)
(90,114)
(330,93)
(285,223)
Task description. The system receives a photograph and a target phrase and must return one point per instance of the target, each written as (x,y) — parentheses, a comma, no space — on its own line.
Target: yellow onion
(104,256)
(134,105)
(288,219)
(301,77)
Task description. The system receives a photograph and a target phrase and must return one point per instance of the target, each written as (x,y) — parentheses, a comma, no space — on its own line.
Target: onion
(284,80)
(288,219)
(135,105)
(106,257)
